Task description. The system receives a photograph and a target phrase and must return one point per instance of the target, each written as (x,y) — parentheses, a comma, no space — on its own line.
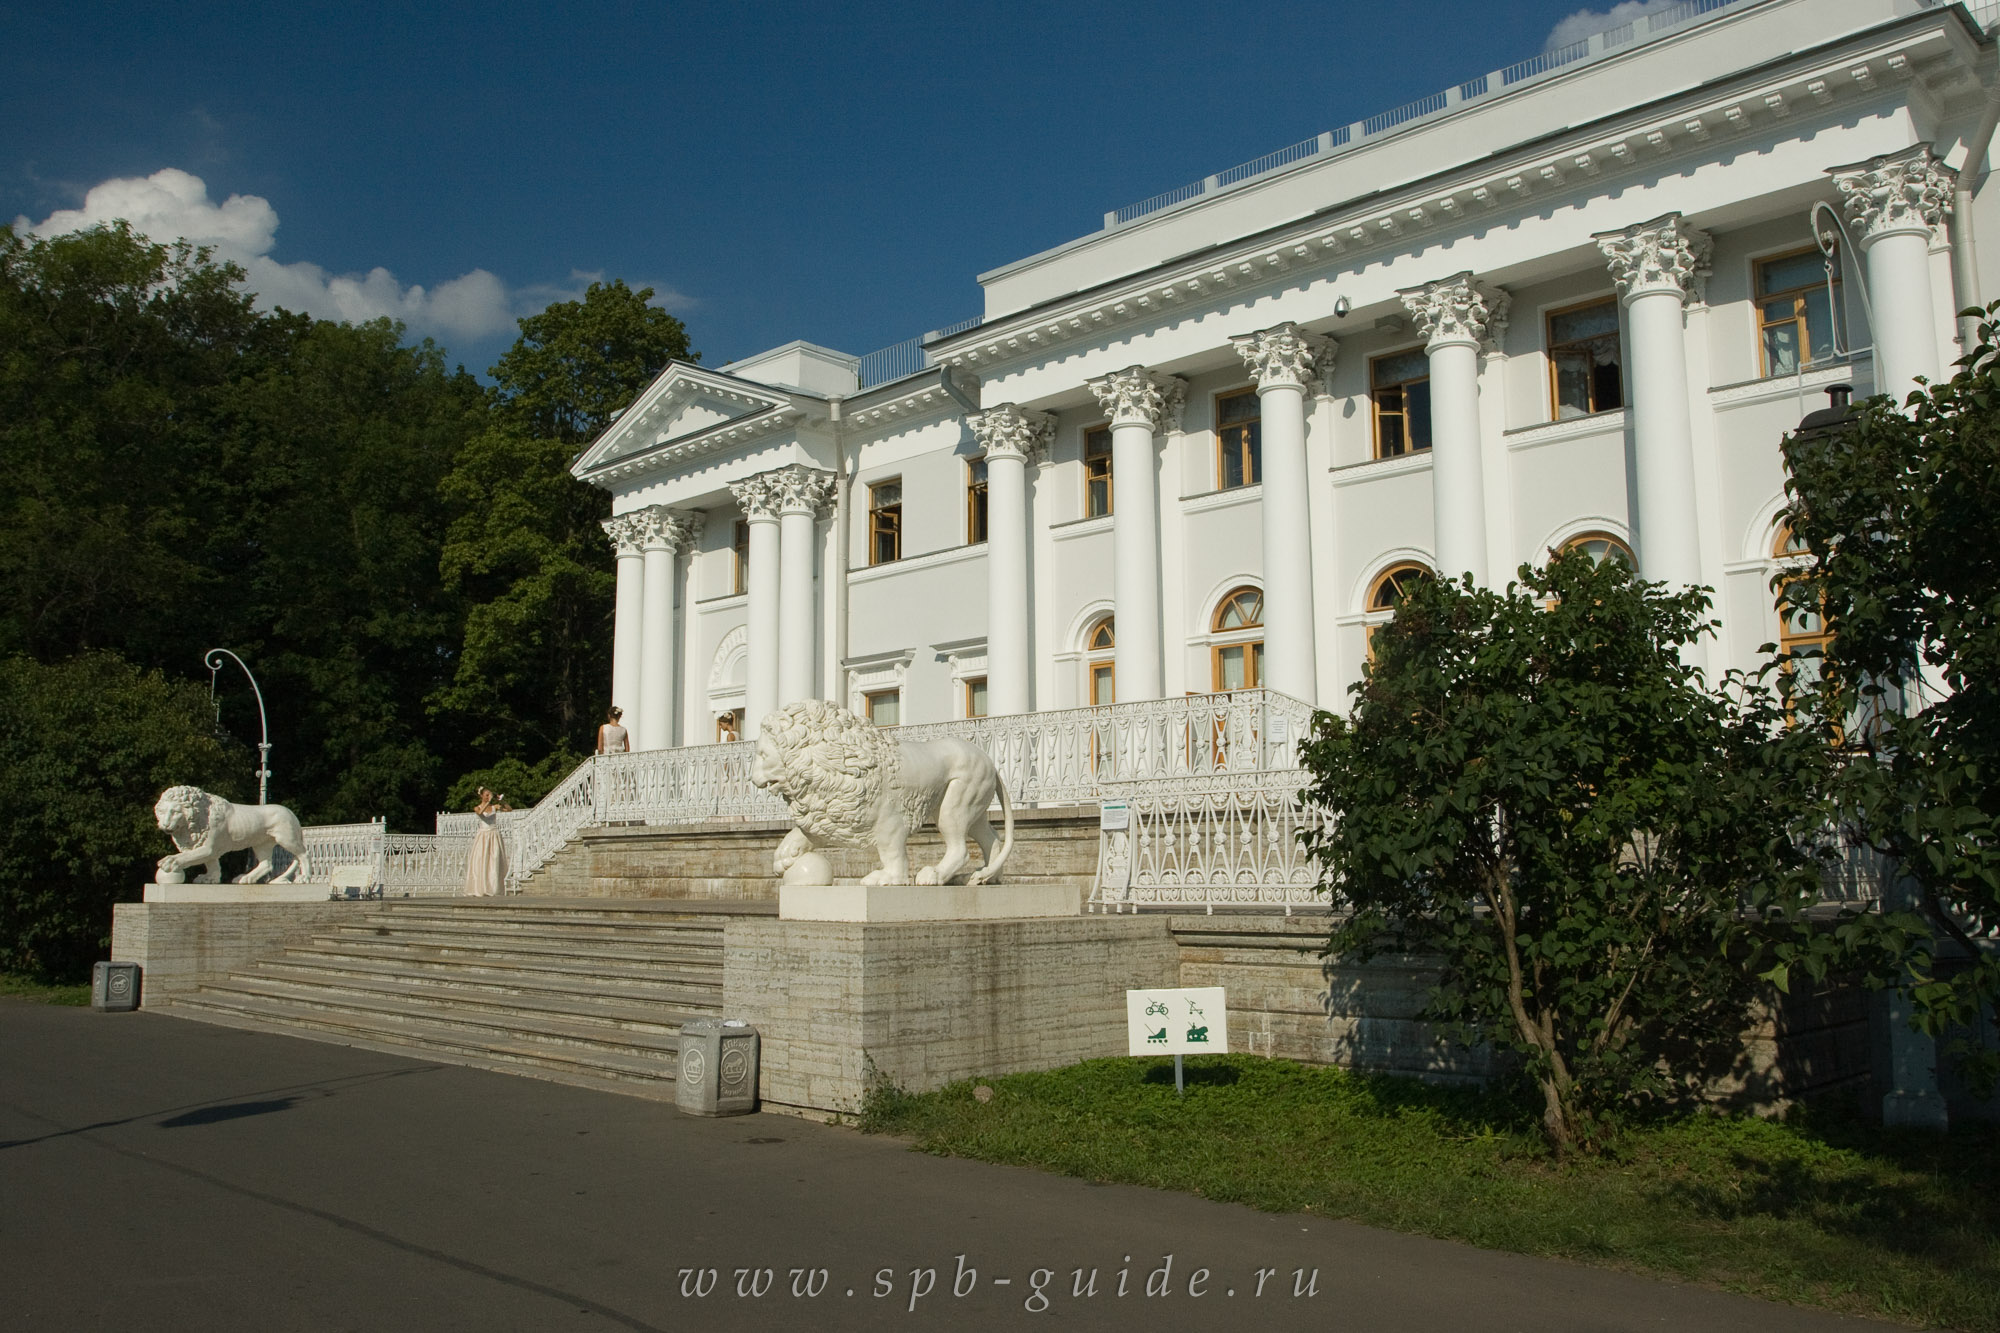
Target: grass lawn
(28,989)
(1819,1210)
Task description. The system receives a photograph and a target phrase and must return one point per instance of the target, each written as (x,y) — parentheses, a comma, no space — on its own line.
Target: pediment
(684,402)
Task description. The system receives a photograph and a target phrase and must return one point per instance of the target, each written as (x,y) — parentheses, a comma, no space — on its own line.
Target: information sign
(1183,1021)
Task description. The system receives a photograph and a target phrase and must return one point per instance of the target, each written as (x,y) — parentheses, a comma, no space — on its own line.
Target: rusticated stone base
(179,945)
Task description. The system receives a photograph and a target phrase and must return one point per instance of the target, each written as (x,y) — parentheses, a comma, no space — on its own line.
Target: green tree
(525,549)
(85,748)
(1534,787)
(1896,512)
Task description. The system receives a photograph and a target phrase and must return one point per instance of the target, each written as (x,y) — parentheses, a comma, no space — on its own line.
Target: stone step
(589,1027)
(438,945)
(554,970)
(635,911)
(575,927)
(672,990)
(650,1073)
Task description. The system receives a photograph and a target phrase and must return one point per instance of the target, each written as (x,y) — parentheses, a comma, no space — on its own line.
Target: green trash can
(114,987)
(718,1067)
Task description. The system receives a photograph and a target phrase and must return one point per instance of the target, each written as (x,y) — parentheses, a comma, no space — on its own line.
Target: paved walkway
(162,1174)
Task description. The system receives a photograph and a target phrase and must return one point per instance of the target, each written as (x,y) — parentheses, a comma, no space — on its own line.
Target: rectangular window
(1586,360)
(1103,683)
(1239,666)
(1795,311)
(885,707)
(975,501)
(885,521)
(975,697)
(1239,439)
(1097,472)
(742,583)
(1401,387)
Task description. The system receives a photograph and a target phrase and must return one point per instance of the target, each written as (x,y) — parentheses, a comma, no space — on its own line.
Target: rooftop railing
(1611,40)
(898,360)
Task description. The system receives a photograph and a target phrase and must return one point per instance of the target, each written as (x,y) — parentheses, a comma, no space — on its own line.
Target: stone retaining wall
(180,945)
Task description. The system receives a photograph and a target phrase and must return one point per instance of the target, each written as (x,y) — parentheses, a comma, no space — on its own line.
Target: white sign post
(1175,1022)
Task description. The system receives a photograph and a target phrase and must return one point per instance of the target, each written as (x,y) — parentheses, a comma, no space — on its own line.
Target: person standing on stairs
(486,863)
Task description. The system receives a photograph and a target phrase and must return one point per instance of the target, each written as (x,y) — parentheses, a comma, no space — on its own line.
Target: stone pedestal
(924,902)
(920,1004)
(237,893)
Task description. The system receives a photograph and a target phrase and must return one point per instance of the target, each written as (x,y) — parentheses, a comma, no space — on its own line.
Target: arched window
(1602,546)
(1390,587)
(1099,645)
(1239,665)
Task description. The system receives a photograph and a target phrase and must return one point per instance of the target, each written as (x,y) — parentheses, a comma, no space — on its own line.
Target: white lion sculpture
(847,783)
(206,828)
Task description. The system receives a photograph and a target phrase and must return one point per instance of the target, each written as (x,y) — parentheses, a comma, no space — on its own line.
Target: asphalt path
(157,1173)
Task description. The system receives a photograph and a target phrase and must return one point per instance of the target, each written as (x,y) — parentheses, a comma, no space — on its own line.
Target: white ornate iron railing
(330,847)
(400,864)
(1202,842)
(463,823)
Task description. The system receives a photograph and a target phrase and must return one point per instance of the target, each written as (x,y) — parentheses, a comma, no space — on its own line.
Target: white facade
(1635,197)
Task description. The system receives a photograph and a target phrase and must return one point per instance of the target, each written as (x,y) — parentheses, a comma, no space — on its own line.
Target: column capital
(626,532)
(1458,309)
(1664,255)
(1136,396)
(658,528)
(802,490)
(1009,431)
(759,495)
(1902,191)
(1286,356)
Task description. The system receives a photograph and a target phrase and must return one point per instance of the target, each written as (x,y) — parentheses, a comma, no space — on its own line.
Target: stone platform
(237,893)
(924,902)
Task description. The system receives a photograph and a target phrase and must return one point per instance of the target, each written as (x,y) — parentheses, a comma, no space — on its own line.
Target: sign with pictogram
(1188,1020)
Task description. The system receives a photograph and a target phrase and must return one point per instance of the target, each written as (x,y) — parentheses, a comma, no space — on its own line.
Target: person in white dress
(612,738)
(486,862)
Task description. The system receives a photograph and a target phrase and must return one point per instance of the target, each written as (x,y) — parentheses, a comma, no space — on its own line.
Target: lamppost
(213,661)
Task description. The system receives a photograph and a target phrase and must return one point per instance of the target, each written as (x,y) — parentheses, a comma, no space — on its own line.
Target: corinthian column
(759,497)
(664,534)
(1140,404)
(803,495)
(1458,316)
(625,533)
(1012,438)
(1285,359)
(1660,267)
(1895,201)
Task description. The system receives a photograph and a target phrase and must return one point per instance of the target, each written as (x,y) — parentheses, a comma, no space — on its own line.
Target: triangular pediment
(683,403)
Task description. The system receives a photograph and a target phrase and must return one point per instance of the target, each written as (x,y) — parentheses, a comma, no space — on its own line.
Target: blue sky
(832,172)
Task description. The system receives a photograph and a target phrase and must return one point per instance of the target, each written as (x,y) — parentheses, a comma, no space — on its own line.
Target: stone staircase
(579,991)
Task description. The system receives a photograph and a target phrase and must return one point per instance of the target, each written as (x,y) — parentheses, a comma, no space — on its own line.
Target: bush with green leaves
(86,747)
(1896,513)
(1535,787)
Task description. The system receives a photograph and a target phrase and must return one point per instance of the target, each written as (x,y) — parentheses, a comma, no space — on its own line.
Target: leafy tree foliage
(85,748)
(1534,786)
(525,549)
(1896,511)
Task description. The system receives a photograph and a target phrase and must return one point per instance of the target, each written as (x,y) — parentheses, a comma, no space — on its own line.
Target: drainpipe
(958,395)
(842,488)
(1964,261)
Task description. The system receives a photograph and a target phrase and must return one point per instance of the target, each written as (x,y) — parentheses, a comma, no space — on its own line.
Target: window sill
(1081,527)
(1545,432)
(1223,499)
(722,603)
(1369,469)
(948,556)
(1773,387)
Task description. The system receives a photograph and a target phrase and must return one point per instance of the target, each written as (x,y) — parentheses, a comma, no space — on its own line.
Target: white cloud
(173,203)
(1584,22)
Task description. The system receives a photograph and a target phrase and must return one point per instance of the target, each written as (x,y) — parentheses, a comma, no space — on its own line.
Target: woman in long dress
(486,862)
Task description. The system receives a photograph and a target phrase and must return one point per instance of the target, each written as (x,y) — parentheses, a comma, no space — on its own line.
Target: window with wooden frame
(975,501)
(1586,360)
(1097,472)
(1796,307)
(884,707)
(1238,439)
(1239,665)
(741,572)
(1390,587)
(1400,385)
(885,521)
(1602,546)
(1103,670)
(1802,630)
(975,697)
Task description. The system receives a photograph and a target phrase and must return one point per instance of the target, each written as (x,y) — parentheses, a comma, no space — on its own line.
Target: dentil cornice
(1458,309)
(1904,191)
(1287,355)
(802,490)
(1008,431)
(1664,255)
(759,495)
(1136,396)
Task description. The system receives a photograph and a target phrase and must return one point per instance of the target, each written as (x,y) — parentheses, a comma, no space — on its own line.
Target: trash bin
(718,1067)
(114,987)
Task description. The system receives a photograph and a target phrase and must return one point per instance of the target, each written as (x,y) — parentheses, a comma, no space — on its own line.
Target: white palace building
(1577,300)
